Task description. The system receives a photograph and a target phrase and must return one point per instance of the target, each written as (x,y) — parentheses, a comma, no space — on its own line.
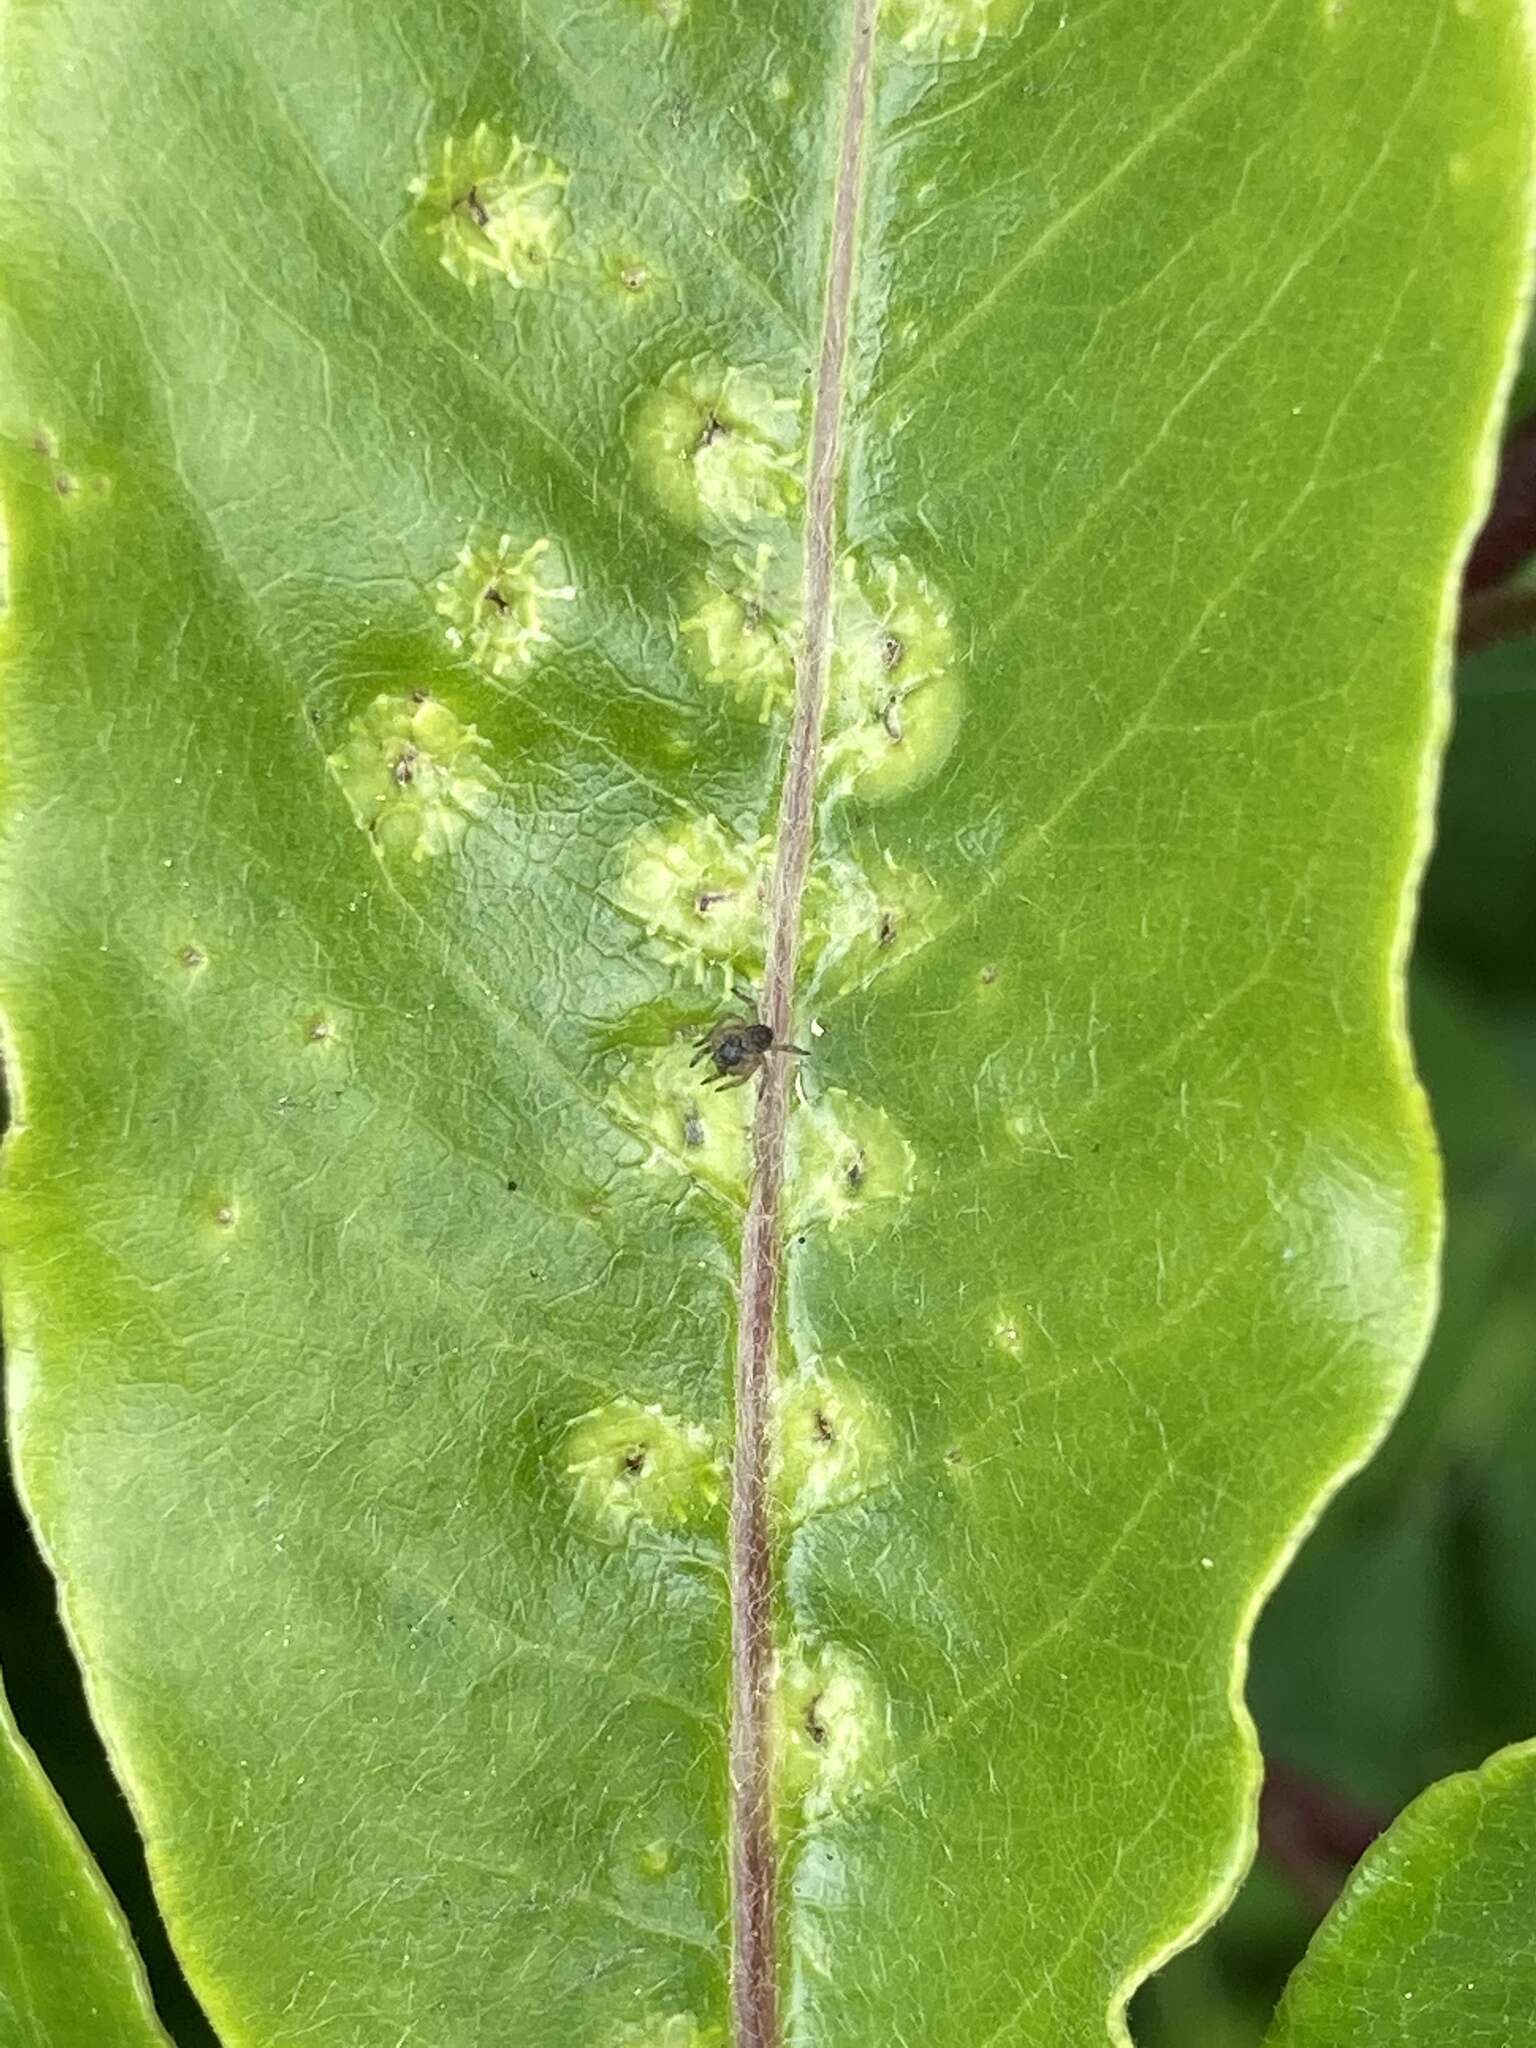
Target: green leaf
(1431,1942)
(1399,1646)
(67,1968)
(451,455)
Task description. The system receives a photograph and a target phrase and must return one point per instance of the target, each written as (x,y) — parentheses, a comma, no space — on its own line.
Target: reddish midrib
(754,1855)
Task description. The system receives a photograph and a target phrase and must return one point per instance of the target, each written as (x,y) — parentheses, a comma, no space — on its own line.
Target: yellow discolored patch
(719,448)
(831,1442)
(690,1127)
(497,599)
(630,1463)
(893,693)
(698,889)
(745,631)
(848,1164)
(631,279)
(831,1726)
(951,27)
(871,919)
(496,208)
(413,775)
(669,2030)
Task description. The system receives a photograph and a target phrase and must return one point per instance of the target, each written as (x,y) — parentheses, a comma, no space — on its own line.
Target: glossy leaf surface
(1432,1940)
(415,539)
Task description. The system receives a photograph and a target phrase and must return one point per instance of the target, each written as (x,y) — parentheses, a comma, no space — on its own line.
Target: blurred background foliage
(1402,1643)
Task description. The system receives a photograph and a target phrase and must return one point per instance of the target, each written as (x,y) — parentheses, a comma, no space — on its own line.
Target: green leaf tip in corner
(68,1970)
(1431,1943)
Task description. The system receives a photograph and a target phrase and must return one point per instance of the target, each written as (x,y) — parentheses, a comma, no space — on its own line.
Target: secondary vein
(754,1853)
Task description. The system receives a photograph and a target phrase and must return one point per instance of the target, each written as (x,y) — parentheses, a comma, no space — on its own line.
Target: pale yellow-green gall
(497,601)
(719,448)
(669,2030)
(873,918)
(745,631)
(893,691)
(832,1733)
(495,207)
(698,890)
(689,1126)
(631,1463)
(832,1443)
(848,1164)
(950,27)
(413,774)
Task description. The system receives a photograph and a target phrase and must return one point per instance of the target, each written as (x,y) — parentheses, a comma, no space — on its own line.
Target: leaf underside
(406,440)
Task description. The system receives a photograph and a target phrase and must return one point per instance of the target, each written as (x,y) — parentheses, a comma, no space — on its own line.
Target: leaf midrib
(754,1851)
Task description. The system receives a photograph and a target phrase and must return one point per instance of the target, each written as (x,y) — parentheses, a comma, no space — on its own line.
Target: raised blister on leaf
(719,447)
(690,1127)
(831,1441)
(848,1163)
(496,207)
(497,599)
(745,630)
(871,918)
(893,693)
(697,888)
(630,278)
(832,1728)
(951,27)
(631,1462)
(413,774)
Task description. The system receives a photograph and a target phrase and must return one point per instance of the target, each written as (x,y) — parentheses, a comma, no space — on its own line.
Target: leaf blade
(392,1233)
